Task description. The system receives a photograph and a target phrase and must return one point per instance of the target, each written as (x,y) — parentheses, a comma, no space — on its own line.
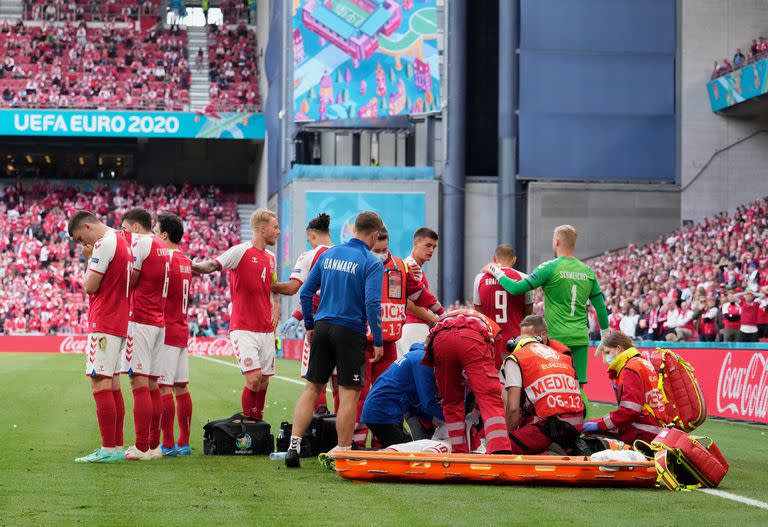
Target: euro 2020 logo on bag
(243,442)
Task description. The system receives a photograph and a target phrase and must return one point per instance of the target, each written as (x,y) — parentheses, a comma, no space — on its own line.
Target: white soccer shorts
(102,355)
(412,333)
(254,351)
(142,348)
(173,366)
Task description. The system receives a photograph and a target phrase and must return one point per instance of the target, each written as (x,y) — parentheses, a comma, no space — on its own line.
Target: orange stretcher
(498,469)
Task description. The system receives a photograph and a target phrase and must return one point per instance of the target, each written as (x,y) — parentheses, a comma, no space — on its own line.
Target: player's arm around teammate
(252,272)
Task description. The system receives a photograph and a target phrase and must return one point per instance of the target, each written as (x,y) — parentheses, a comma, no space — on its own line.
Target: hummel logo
(356,378)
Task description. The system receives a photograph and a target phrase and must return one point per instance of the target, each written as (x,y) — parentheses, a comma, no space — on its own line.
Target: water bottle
(277,456)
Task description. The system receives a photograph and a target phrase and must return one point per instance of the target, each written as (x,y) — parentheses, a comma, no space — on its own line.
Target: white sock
(110,450)
(295,444)
(339,447)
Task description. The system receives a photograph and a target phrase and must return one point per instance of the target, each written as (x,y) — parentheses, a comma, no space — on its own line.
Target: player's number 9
(500,299)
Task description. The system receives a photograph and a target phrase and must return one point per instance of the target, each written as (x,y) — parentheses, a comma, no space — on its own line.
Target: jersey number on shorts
(500,298)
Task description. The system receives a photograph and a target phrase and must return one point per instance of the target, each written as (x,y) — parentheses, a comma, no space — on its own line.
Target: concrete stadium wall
(607,216)
(480,229)
(711,30)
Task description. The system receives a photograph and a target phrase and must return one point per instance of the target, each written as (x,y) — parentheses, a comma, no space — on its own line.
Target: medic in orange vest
(399,286)
(635,383)
(544,404)
(462,344)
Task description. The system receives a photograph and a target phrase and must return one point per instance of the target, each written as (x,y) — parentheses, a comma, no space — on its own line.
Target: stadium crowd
(233,69)
(758,49)
(78,66)
(708,281)
(89,10)
(40,265)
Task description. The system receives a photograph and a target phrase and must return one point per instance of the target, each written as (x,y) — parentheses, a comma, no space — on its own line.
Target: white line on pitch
(233,365)
(736,497)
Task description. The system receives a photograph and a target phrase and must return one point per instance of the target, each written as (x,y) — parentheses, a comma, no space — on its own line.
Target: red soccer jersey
(250,282)
(497,304)
(150,257)
(108,307)
(176,328)
(410,318)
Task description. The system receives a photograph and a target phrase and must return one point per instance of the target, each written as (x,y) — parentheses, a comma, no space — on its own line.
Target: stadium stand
(233,69)
(91,11)
(77,66)
(41,269)
(758,49)
(681,270)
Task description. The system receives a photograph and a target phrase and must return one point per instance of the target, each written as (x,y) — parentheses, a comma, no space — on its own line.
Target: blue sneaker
(183,450)
(168,452)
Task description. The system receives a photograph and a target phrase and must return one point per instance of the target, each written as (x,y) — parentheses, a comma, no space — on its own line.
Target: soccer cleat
(134,454)
(156,453)
(169,452)
(183,450)
(292,459)
(100,456)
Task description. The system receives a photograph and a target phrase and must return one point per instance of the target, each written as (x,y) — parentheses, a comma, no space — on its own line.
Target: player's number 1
(574,292)
(500,299)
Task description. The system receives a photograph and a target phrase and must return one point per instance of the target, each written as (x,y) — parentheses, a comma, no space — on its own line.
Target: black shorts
(337,347)
(389,434)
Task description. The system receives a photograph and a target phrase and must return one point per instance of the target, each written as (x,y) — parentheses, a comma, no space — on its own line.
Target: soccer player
(568,284)
(149,281)
(173,361)
(255,312)
(418,320)
(319,239)
(493,301)
(399,286)
(107,282)
(350,277)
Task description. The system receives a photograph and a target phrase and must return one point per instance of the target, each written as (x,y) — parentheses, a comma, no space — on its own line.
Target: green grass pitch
(48,419)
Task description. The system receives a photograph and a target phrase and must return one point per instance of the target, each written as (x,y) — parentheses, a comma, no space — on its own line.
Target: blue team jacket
(406,386)
(349,277)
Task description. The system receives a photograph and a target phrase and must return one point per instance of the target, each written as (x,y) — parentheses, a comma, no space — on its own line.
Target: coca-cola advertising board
(208,346)
(734,381)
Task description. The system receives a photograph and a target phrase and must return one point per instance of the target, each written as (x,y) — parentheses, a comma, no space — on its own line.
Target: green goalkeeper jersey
(567,283)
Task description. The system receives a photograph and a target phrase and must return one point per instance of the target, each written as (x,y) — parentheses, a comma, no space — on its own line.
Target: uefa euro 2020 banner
(364,58)
(402,213)
(162,125)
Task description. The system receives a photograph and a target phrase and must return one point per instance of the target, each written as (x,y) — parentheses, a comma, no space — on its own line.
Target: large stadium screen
(358,59)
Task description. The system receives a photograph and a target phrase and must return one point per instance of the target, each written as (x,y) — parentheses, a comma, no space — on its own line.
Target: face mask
(382,257)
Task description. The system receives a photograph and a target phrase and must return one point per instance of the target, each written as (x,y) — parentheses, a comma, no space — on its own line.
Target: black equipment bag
(319,438)
(239,435)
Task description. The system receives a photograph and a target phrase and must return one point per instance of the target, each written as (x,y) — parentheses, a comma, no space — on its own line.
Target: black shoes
(292,459)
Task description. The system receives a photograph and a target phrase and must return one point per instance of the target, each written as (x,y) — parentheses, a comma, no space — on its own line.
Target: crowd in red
(90,10)
(40,265)
(708,281)
(77,66)
(233,69)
